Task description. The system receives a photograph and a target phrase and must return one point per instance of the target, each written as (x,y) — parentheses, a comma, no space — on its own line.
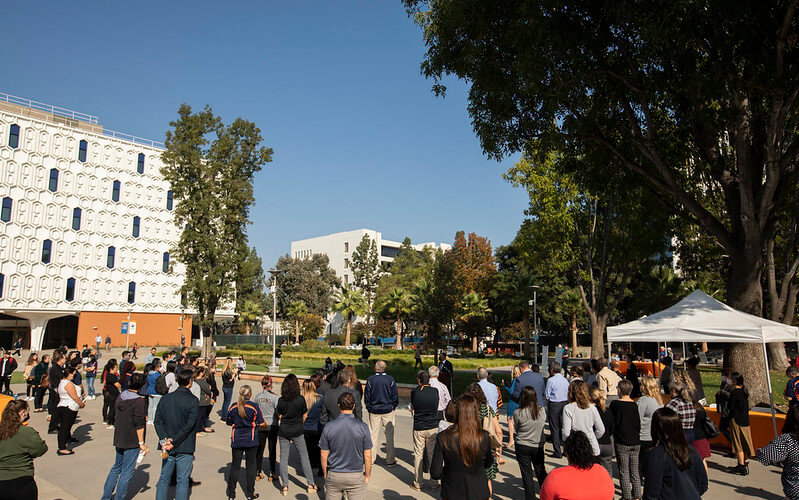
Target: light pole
(535,318)
(274,272)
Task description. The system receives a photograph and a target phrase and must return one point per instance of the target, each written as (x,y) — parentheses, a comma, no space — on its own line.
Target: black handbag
(709,427)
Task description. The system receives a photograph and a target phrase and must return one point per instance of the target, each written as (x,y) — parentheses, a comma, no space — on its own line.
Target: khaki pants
(339,483)
(423,442)
(386,421)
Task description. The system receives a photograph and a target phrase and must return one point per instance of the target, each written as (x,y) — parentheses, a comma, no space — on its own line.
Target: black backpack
(160,385)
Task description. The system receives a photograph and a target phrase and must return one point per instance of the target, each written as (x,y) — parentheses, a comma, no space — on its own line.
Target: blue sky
(359,139)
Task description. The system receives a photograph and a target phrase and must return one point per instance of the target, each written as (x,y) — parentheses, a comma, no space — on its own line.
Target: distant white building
(339,248)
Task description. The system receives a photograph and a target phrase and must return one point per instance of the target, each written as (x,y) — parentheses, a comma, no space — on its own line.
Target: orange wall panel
(151,329)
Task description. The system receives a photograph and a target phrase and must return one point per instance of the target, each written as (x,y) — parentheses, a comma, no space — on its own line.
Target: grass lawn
(711,379)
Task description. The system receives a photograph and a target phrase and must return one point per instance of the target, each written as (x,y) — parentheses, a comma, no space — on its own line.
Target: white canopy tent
(701,318)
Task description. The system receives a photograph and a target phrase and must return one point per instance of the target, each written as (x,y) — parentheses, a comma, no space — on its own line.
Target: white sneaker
(109,426)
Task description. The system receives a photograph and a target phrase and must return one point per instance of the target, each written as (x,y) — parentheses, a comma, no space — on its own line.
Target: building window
(169,200)
(109,261)
(346,279)
(136,222)
(47,247)
(165,265)
(131,292)
(346,246)
(115,191)
(70,290)
(53,180)
(84,146)
(76,213)
(391,252)
(13,136)
(140,164)
(5,212)
(2,282)
(346,263)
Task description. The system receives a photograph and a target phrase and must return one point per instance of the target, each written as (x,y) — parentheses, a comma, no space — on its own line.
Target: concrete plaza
(82,475)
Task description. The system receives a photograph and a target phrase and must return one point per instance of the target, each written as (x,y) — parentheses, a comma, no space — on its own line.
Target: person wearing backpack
(151,389)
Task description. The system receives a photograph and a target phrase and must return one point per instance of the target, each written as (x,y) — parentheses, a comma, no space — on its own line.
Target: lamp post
(274,272)
(535,319)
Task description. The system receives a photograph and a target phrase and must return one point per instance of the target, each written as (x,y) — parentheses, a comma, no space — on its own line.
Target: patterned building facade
(86,228)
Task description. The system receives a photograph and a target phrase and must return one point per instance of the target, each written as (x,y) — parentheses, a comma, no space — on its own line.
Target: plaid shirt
(685,410)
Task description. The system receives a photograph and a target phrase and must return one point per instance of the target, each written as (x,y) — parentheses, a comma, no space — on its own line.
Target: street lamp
(535,319)
(274,272)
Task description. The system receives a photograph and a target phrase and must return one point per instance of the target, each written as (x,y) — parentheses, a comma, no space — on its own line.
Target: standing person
(512,405)
(40,382)
(129,437)
(633,376)
(424,408)
(241,365)
(228,380)
(627,440)
(490,390)
(791,387)
(443,393)
(267,433)
(27,373)
(784,451)
(365,353)
(245,417)
(462,455)
(528,377)
(278,355)
(605,441)
(7,366)
(742,446)
(97,341)
(681,388)
(648,404)
(446,371)
(204,398)
(175,420)
(69,401)
(489,420)
(151,391)
(354,382)
(134,350)
(311,428)
(54,376)
(330,409)
(111,390)
(19,445)
(583,478)
(418,359)
(608,380)
(170,377)
(722,398)
(346,448)
(698,393)
(665,374)
(107,343)
(581,415)
(557,397)
(91,375)
(529,420)
(381,398)
(126,369)
(150,357)
(672,469)
(291,409)
(700,442)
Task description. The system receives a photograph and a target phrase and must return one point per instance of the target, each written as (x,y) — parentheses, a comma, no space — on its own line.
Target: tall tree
(296,311)
(473,263)
(408,267)
(366,271)
(351,304)
(396,304)
(311,281)
(434,300)
(248,312)
(695,98)
(210,167)
(250,288)
(472,316)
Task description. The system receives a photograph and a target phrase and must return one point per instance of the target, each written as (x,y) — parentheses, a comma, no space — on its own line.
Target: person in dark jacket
(632,376)
(672,468)
(126,369)
(175,419)
(39,390)
(330,409)
(245,417)
(54,374)
(381,398)
(129,434)
(7,367)
(462,454)
(324,385)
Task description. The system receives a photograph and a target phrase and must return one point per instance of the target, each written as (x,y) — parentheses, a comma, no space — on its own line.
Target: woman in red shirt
(583,478)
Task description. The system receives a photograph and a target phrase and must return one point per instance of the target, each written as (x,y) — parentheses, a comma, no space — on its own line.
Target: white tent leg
(770,395)
(610,353)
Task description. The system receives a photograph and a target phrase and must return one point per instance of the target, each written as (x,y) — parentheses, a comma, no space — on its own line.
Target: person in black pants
(245,417)
(67,409)
(55,374)
(38,372)
(267,433)
(111,390)
(529,421)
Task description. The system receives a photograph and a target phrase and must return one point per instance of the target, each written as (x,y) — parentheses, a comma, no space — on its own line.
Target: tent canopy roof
(701,318)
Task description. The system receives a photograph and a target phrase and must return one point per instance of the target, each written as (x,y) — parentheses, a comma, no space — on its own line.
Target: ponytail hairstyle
(244,394)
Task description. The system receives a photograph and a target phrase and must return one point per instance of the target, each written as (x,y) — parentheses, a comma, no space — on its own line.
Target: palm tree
(473,312)
(248,312)
(296,311)
(349,303)
(396,305)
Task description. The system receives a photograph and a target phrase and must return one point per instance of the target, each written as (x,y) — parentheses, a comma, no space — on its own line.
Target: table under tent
(701,318)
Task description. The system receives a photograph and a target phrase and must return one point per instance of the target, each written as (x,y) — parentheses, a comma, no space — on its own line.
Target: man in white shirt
(443,393)
(490,390)
(98,340)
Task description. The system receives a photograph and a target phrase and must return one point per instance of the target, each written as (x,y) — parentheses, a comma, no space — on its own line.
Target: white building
(86,228)
(339,248)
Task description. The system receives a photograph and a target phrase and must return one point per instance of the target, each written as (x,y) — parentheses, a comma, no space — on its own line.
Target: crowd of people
(594,413)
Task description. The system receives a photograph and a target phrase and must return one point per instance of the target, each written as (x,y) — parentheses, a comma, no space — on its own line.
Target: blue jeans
(120,474)
(90,385)
(228,393)
(183,462)
(152,405)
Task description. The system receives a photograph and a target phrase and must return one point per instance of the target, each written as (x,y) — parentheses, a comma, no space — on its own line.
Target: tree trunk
(598,323)
(573,329)
(474,343)
(399,333)
(247,327)
(347,337)
(704,347)
(296,331)
(777,357)
(526,333)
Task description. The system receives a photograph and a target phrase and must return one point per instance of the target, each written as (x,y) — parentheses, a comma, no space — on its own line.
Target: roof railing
(49,108)
(132,138)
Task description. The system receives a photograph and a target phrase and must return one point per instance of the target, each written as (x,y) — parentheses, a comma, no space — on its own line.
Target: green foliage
(395,305)
(296,311)
(210,168)
(250,286)
(349,303)
(248,311)
(366,271)
(311,281)
(472,317)
(434,298)
(408,267)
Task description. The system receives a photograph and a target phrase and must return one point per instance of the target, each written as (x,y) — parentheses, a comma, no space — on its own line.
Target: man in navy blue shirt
(557,395)
(531,378)
(346,453)
(381,398)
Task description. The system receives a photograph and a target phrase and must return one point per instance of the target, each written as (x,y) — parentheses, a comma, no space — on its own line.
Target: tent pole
(770,395)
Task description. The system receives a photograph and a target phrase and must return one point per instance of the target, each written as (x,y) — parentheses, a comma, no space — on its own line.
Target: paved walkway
(82,475)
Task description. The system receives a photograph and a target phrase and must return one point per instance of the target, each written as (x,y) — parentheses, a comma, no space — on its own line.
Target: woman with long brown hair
(673,468)
(33,360)
(487,418)
(245,417)
(228,380)
(581,415)
(605,441)
(311,427)
(463,454)
(530,419)
(292,409)
(356,384)
(19,445)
